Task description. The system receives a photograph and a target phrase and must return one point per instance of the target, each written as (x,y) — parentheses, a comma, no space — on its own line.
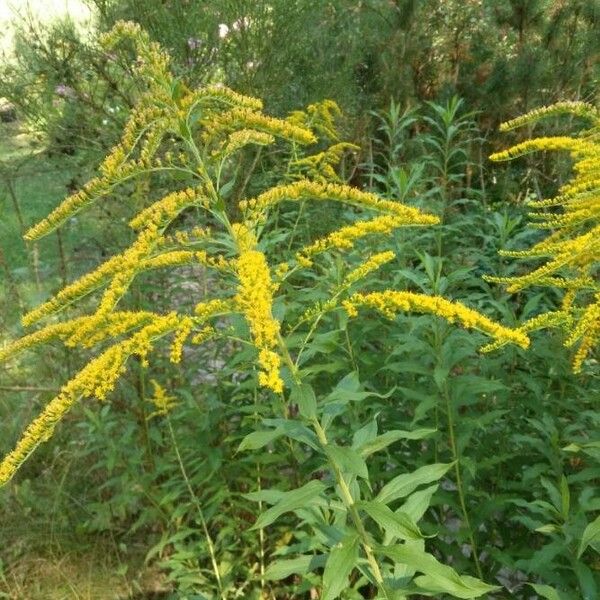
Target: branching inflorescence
(570,254)
(196,134)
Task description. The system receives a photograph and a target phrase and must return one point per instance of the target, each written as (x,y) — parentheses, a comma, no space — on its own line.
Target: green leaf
(397,524)
(404,484)
(437,577)
(365,434)
(304,396)
(548,529)
(295,430)
(258,439)
(545,591)
(226,188)
(268,496)
(586,580)
(280,569)
(418,502)
(590,535)
(307,495)
(565,497)
(348,460)
(440,375)
(340,563)
(389,437)
(463,586)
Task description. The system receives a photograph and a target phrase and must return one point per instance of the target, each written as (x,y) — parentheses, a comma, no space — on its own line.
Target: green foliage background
(523,429)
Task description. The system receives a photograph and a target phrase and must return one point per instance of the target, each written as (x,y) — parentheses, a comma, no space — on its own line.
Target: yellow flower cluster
(217,306)
(319,117)
(96,379)
(255,299)
(203,335)
(153,62)
(183,331)
(244,118)
(177,258)
(221,94)
(163,403)
(116,168)
(92,190)
(320,167)
(239,139)
(163,211)
(186,238)
(244,237)
(571,252)
(345,237)
(581,109)
(391,302)
(573,145)
(128,267)
(97,328)
(47,334)
(312,190)
(586,332)
(368,266)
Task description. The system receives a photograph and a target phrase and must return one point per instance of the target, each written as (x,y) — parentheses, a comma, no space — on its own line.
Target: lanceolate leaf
(404,484)
(437,577)
(545,591)
(418,502)
(397,524)
(340,563)
(349,460)
(258,439)
(307,495)
(280,569)
(590,535)
(304,396)
(389,437)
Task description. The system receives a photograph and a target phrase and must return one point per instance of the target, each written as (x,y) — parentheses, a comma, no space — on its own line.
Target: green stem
(195,501)
(459,483)
(348,500)
(345,493)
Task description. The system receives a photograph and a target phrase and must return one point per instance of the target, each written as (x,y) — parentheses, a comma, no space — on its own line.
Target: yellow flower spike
(205,310)
(346,237)
(391,302)
(239,139)
(117,167)
(244,118)
(223,95)
(128,267)
(166,209)
(571,252)
(579,147)
(312,190)
(371,264)
(47,334)
(320,166)
(255,299)
(244,237)
(163,403)
(203,335)
(182,333)
(581,109)
(96,328)
(270,364)
(96,379)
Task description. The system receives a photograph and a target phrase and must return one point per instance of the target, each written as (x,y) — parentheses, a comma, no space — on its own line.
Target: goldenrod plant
(364,534)
(568,260)
(569,256)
